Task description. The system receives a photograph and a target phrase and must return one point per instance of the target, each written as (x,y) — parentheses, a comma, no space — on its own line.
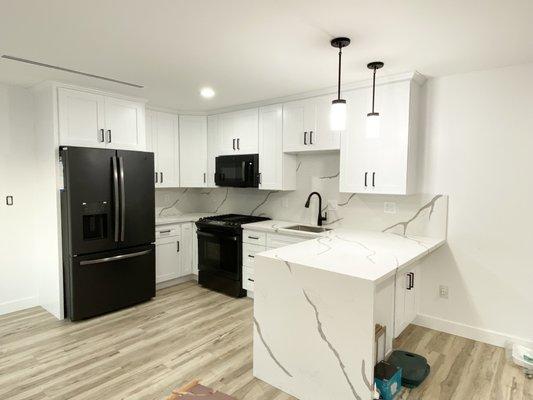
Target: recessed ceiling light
(207,92)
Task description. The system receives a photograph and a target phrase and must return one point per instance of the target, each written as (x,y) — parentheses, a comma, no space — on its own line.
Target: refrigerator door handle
(115,197)
(115,258)
(122,198)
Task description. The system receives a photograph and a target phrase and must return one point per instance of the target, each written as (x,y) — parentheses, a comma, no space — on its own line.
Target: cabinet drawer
(248,281)
(167,230)
(275,240)
(254,237)
(249,251)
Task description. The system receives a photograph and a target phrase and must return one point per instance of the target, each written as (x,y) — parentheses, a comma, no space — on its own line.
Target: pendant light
(338,106)
(372,118)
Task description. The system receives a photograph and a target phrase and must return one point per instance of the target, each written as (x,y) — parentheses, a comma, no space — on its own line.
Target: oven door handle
(222,236)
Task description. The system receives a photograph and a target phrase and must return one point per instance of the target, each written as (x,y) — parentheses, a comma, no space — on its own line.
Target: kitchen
(270,211)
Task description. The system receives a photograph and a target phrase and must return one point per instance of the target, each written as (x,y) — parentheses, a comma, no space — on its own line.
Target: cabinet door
(81,118)
(356,150)
(167,259)
(391,152)
(294,126)
(246,131)
(226,132)
(193,151)
(406,308)
(186,249)
(124,123)
(270,147)
(213,141)
(166,150)
(323,138)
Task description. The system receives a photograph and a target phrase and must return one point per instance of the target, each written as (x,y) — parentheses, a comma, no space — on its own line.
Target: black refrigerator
(108,229)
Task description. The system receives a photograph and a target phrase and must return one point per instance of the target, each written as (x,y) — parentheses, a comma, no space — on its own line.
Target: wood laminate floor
(188,332)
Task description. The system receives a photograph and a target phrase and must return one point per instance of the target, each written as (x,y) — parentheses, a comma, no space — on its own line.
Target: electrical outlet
(443,292)
(390,207)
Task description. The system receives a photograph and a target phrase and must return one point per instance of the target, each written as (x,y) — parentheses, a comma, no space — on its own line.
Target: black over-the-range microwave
(237,171)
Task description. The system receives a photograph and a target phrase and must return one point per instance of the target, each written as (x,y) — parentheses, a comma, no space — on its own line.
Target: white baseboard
(17,305)
(467,331)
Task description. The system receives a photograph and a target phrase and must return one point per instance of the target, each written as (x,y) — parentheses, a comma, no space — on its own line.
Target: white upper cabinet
(306,126)
(163,139)
(81,118)
(95,120)
(193,151)
(277,170)
(213,142)
(238,132)
(124,123)
(384,164)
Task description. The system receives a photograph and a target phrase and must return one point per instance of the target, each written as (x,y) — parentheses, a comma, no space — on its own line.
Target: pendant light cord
(339,83)
(373,90)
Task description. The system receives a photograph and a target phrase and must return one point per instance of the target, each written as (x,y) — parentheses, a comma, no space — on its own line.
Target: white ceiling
(250,50)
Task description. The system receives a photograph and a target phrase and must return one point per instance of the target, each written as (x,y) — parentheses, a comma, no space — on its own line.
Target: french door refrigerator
(108,229)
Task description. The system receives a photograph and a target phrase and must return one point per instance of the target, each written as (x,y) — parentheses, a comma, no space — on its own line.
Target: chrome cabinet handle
(109,136)
(253,237)
(249,255)
(205,177)
(178,246)
(156,180)
(373,179)
(233,144)
(251,280)
(161,177)
(238,143)
(366,175)
(311,137)
(305,138)
(163,232)
(102,135)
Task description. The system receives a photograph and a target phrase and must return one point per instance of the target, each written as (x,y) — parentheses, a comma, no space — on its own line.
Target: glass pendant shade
(372,125)
(338,115)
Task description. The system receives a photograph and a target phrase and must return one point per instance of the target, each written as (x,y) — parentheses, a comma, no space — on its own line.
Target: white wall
(18,233)
(479,150)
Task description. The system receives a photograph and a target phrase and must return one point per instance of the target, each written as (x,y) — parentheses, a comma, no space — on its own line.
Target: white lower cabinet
(255,242)
(407,295)
(174,251)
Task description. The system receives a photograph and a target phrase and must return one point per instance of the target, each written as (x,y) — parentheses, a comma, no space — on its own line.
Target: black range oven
(220,252)
(237,171)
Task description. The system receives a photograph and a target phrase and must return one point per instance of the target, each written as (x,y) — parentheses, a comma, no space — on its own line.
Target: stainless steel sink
(306,228)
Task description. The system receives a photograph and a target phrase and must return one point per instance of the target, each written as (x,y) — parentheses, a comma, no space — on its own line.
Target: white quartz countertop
(176,219)
(368,255)
(278,226)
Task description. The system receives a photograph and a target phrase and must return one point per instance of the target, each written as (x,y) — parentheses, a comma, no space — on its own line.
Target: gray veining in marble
(263,202)
(405,224)
(330,345)
(268,349)
(180,197)
(223,201)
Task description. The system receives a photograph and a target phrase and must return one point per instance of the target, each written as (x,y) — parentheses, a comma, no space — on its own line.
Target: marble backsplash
(420,214)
